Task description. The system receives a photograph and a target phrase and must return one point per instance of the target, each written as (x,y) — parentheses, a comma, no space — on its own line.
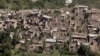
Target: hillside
(28,4)
(90,3)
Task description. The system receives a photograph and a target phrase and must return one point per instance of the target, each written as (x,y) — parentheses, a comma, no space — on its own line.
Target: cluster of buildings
(89,28)
(43,29)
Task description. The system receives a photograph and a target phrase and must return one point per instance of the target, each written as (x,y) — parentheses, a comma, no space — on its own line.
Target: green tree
(3,4)
(15,40)
(65,50)
(85,51)
(5,48)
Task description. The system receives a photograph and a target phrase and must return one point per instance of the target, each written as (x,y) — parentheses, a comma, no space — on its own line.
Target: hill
(28,4)
(90,3)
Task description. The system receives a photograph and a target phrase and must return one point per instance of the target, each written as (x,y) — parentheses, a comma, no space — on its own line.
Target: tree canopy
(85,51)
(28,4)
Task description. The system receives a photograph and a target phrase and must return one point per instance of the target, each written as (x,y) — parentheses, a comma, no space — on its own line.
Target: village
(43,29)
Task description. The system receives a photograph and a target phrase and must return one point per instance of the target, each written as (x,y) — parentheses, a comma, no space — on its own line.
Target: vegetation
(49,4)
(65,50)
(5,44)
(28,4)
(85,51)
(90,3)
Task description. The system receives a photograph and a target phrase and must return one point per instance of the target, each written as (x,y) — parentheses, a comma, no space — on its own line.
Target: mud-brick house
(45,18)
(79,9)
(36,47)
(68,1)
(7,21)
(1,24)
(93,30)
(93,42)
(14,23)
(94,13)
(49,44)
(92,37)
(11,22)
(99,30)
(77,40)
(94,18)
